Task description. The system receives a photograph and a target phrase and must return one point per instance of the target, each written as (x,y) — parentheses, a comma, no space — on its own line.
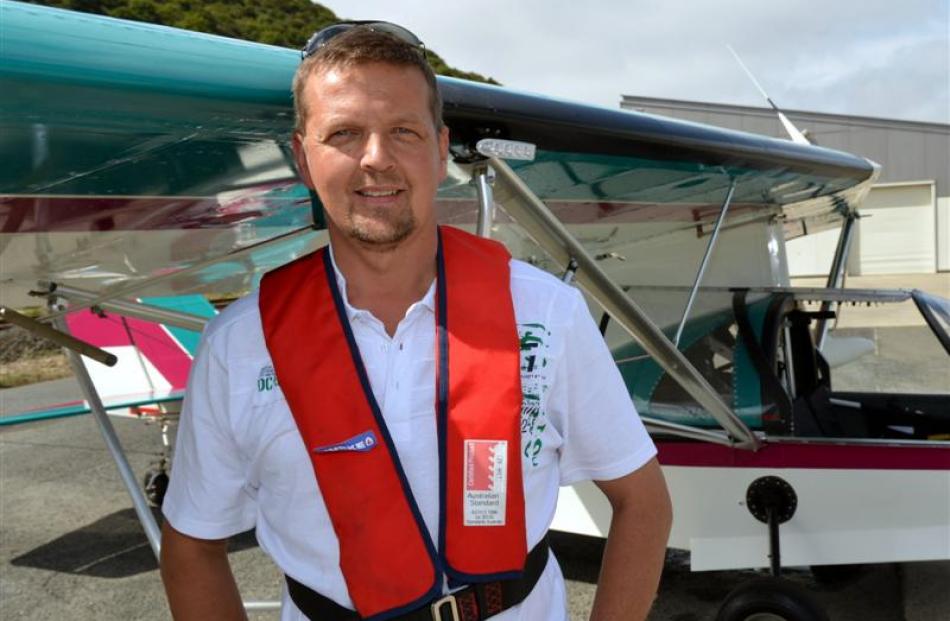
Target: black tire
(155,484)
(770,599)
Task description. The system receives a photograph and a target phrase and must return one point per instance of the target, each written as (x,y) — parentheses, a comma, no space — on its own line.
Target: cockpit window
(936,312)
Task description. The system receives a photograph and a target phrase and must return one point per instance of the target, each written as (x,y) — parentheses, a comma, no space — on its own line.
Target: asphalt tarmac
(71,547)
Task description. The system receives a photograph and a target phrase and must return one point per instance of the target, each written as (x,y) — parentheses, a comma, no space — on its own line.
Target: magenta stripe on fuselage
(806,455)
(46,214)
(165,354)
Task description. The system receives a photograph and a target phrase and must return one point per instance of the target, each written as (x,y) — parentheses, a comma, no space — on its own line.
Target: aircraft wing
(143,156)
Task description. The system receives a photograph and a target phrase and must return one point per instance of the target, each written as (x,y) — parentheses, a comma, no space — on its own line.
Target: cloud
(871,57)
(897,81)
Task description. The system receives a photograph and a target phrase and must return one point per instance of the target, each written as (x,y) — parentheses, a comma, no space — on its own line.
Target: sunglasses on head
(323,36)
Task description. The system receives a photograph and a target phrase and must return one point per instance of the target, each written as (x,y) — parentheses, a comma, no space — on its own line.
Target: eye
(405,131)
(335,136)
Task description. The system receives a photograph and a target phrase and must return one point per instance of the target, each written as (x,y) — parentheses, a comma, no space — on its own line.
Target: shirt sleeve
(207,496)
(603,436)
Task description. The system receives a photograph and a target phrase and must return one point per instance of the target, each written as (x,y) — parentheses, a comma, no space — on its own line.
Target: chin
(381,234)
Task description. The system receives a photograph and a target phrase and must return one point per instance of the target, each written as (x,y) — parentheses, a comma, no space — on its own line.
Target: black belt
(473,603)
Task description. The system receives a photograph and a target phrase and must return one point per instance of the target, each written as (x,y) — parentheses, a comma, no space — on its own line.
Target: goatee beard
(386,231)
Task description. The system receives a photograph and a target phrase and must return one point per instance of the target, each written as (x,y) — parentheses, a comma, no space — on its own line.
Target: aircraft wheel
(770,599)
(155,485)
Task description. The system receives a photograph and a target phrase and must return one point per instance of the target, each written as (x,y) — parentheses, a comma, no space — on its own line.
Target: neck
(387,281)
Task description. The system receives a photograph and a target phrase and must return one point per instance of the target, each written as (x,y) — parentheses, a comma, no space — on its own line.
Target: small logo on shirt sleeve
(266,379)
(359,443)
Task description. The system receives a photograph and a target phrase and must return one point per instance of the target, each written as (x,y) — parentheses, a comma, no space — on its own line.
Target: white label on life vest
(486,482)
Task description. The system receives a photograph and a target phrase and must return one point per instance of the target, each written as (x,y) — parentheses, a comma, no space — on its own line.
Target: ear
(443,151)
(300,159)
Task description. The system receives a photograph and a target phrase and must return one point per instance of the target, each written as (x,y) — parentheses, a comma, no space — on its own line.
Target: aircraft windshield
(755,347)
(936,312)
(655,257)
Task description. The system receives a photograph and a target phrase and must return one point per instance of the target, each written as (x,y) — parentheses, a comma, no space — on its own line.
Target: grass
(29,370)
(25,359)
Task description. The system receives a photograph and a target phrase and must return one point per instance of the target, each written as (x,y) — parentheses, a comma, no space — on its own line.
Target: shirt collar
(427,301)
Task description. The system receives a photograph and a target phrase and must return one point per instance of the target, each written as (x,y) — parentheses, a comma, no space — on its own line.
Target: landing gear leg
(772,501)
(155,482)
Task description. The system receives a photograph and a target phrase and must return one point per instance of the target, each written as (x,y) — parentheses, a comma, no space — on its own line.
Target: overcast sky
(885,58)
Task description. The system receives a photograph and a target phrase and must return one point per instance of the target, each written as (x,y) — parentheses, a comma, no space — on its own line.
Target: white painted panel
(842,517)
(897,234)
(811,255)
(943,233)
(132,376)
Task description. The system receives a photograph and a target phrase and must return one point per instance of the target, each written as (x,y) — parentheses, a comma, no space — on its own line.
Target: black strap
(475,602)
(771,388)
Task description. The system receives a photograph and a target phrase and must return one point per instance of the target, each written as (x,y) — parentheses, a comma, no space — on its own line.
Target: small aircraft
(145,160)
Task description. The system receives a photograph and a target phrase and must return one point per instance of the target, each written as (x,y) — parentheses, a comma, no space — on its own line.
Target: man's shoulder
(239,314)
(532,287)
(527,276)
(524,273)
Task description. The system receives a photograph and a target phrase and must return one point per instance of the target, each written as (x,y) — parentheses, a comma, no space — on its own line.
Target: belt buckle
(436,609)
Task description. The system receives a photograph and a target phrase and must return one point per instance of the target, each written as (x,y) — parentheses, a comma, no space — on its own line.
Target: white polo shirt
(240,462)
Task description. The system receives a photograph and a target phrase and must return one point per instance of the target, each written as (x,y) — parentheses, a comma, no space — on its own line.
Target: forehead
(371,90)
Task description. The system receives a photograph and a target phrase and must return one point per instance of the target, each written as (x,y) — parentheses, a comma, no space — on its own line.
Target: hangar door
(897,233)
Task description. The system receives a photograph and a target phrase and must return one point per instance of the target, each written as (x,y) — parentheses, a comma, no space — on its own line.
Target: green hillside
(287,23)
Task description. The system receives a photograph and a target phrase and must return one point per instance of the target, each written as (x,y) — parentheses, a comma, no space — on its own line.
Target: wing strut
(657,425)
(126,308)
(60,337)
(139,503)
(544,227)
(836,274)
(705,262)
(483,177)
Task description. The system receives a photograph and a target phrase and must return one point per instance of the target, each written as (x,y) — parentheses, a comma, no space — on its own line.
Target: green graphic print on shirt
(534,360)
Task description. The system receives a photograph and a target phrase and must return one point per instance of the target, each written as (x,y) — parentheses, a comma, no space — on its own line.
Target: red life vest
(387,557)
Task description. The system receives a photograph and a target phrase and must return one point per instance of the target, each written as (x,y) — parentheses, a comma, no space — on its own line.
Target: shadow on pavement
(113,546)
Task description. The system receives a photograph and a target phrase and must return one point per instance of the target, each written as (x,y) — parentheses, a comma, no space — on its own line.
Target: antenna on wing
(793,132)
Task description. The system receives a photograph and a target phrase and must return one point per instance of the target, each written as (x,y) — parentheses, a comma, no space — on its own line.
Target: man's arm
(636,544)
(198,578)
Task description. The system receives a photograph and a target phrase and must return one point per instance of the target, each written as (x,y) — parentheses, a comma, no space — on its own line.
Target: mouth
(378,192)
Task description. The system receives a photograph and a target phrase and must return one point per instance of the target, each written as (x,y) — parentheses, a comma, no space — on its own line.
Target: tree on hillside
(287,23)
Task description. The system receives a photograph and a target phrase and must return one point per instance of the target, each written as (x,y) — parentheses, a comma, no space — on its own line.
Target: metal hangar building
(905,224)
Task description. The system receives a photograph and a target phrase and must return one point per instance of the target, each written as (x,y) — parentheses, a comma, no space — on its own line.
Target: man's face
(371,151)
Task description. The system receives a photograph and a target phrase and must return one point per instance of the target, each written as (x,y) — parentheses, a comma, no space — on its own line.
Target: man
(358,410)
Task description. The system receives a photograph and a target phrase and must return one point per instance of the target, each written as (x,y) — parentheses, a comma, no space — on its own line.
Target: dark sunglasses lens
(321,37)
(397,31)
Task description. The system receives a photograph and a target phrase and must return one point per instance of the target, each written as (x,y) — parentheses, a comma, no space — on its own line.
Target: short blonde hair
(359,46)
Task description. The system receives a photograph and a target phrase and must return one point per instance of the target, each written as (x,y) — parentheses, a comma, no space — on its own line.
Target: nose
(377,153)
